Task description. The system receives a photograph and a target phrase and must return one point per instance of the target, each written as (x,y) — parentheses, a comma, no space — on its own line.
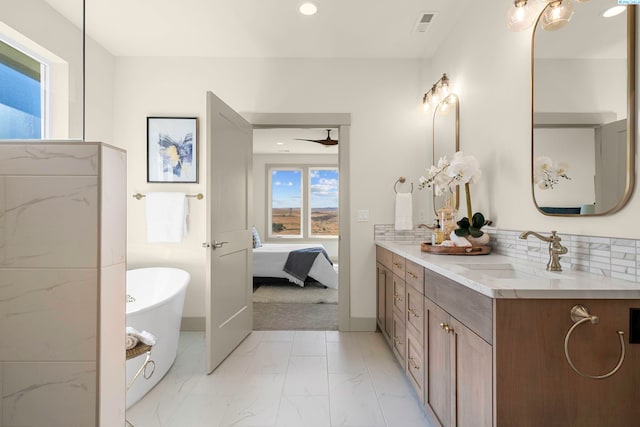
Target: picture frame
(172,149)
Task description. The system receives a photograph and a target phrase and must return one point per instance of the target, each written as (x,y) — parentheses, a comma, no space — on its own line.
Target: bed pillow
(256,238)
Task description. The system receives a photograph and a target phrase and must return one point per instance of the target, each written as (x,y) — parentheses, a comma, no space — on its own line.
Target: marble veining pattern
(32,241)
(54,300)
(608,257)
(354,381)
(45,159)
(48,394)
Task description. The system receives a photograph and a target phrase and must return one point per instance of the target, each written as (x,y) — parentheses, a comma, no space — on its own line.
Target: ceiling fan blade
(327,141)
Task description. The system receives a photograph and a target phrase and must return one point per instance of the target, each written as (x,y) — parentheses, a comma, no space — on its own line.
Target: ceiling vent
(424,22)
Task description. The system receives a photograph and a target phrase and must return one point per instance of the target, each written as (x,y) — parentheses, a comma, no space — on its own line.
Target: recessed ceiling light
(308,8)
(613,11)
(279,143)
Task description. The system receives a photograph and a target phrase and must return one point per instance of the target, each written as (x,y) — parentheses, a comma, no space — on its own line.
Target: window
(323,202)
(21,94)
(303,202)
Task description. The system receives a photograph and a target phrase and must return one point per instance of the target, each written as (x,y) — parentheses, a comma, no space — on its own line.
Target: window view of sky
(286,188)
(324,188)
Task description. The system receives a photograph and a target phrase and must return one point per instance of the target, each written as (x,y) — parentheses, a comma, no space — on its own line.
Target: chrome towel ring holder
(580,314)
(401,180)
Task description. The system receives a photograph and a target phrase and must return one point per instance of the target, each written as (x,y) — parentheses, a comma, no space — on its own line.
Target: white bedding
(269,260)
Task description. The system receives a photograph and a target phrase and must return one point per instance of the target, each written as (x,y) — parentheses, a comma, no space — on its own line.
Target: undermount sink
(513,271)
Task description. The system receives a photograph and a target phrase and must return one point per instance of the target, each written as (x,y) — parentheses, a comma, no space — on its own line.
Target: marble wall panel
(2,219)
(112,354)
(51,222)
(48,315)
(114,206)
(47,159)
(51,394)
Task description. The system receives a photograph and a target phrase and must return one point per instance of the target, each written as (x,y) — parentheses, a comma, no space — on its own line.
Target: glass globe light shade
(520,15)
(557,15)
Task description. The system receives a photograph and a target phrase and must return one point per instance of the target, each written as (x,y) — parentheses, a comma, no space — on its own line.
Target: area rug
(292,294)
(295,317)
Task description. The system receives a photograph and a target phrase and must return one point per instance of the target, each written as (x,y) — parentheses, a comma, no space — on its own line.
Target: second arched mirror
(446,142)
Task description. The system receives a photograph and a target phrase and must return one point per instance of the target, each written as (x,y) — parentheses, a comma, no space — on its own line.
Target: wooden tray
(454,250)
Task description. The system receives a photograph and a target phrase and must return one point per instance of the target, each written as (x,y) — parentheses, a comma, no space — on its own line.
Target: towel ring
(580,314)
(401,180)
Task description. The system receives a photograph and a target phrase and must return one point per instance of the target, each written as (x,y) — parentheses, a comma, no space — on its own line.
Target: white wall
(260,162)
(388,139)
(491,67)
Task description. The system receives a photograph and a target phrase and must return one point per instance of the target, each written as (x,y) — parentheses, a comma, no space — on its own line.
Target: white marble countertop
(499,276)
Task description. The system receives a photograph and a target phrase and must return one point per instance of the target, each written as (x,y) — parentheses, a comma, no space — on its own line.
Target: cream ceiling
(264,28)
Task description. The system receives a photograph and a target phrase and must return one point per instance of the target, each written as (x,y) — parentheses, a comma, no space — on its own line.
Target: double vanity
(484,339)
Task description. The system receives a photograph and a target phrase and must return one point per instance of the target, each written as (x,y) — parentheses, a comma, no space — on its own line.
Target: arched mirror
(445,140)
(583,109)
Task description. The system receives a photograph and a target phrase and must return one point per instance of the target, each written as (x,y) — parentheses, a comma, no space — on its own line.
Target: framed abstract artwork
(172,149)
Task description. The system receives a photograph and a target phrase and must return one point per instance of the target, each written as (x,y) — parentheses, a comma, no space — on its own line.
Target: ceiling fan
(326,141)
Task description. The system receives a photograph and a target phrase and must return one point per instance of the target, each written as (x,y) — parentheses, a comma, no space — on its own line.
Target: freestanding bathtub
(155,301)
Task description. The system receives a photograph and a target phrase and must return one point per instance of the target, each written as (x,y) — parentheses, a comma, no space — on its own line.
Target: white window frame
(305,209)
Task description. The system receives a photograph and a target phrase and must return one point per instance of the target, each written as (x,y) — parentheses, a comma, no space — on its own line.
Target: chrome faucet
(555,248)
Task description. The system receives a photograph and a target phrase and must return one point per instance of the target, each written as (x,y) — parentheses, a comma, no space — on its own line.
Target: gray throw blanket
(300,261)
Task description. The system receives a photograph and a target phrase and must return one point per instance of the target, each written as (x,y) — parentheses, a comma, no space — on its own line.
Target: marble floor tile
(284,378)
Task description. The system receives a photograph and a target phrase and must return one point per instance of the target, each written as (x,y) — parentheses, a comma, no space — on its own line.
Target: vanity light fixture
(520,15)
(557,14)
(614,11)
(308,8)
(439,93)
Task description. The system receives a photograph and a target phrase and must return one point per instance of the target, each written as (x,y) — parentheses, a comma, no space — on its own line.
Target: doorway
(341,124)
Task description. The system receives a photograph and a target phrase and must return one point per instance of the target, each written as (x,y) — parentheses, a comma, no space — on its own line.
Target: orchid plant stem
(468,193)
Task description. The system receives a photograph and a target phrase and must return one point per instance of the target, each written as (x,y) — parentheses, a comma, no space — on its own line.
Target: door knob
(217,244)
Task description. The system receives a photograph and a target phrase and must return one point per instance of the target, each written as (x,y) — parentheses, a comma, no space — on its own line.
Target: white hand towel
(130,342)
(145,337)
(167,217)
(404,211)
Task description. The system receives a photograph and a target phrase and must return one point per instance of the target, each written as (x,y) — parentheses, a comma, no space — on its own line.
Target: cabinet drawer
(414,276)
(415,364)
(383,256)
(398,339)
(399,297)
(469,307)
(415,312)
(398,265)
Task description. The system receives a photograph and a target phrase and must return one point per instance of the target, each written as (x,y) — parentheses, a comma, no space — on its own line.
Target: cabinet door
(415,361)
(399,297)
(381,283)
(471,379)
(398,339)
(415,312)
(388,308)
(437,390)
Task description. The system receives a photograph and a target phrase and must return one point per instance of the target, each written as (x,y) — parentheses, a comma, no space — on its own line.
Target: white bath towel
(404,211)
(144,337)
(167,217)
(130,342)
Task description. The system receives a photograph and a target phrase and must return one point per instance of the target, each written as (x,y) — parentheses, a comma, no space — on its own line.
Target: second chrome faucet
(555,248)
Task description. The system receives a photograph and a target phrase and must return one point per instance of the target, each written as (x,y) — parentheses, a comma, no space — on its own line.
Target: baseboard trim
(357,324)
(363,324)
(193,324)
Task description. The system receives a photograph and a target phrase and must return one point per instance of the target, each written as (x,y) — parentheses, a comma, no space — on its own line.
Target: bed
(269,261)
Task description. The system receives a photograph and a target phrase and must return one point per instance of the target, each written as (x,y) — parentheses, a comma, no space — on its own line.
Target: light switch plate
(362,215)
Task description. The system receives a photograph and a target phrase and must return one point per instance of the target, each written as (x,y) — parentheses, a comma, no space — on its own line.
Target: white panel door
(229,260)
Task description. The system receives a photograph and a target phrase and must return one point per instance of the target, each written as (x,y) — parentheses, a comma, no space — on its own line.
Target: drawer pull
(412,311)
(397,340)
(412,275)
(446,328)
(397,265)
(413,364)
(397,297)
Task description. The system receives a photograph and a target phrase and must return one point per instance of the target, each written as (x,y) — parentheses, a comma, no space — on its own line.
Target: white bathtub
(159,298)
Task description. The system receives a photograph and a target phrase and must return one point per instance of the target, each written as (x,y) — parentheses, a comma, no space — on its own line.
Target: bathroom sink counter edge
(531,280)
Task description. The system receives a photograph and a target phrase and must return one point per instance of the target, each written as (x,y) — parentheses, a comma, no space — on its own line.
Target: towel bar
(198,196)
(401,180)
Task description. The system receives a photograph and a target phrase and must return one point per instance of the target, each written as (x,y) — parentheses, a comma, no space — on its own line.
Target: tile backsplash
(610,257)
